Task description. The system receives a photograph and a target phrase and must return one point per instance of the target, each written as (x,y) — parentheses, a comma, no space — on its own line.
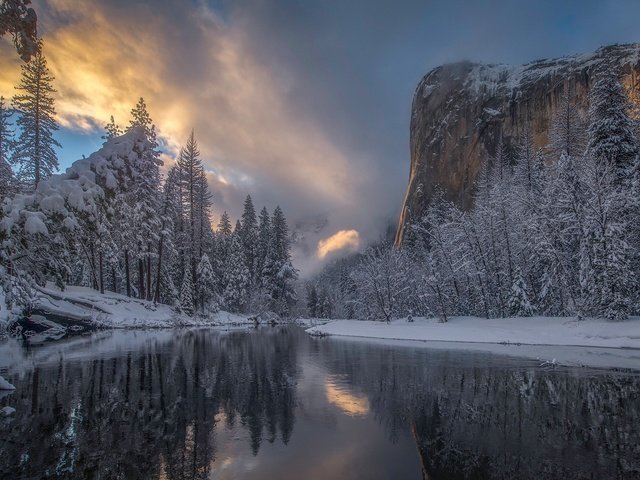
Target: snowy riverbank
(81,308)
(566,340)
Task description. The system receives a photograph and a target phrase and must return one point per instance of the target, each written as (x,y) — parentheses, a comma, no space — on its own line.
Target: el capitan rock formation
(460,110)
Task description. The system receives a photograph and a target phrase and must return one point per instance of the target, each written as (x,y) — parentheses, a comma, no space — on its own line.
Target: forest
(120,220)
(552,231)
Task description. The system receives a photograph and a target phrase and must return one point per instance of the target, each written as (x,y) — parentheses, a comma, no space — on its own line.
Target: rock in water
(4,385)
(461,110)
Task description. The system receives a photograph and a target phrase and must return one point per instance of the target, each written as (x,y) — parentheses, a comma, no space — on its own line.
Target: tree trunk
(140,278)
(126,272)
(101,272)
(149,271)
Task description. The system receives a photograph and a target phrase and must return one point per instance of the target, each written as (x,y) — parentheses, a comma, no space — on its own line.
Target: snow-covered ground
(112,310)
(551,339)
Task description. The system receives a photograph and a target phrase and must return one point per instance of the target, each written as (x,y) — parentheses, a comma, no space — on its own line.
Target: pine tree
(249,236)
(143,198)
(224,226)
(567,131)
(611,130)
(312,301)
(264,238)
(206,284)
(236,278)
(34,152)
(7,143)
(191,167)
(279,273)
(112,130)
(519,304)
(19,20)
(186,294)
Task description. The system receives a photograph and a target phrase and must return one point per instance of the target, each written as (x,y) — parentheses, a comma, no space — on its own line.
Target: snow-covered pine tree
(19,20)
(262,248)
(249,236)
(518,302)
(611,130)
(144,199)
(279,273)
(223,245)
(236,277)
(312,301)
(206,285)
(567,134)
(186,294)
(191,167)
(7,143)
(34,153)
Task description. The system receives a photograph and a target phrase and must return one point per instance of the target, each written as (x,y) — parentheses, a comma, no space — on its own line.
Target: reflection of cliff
(152,413)
(488,422)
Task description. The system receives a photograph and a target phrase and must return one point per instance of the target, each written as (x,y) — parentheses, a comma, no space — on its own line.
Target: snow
(113,310)
(4,385)
(584,342)
(7,411)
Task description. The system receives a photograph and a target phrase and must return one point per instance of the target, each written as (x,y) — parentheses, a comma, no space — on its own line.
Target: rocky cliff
(461,110)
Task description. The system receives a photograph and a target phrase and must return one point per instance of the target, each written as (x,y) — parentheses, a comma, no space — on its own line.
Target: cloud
(194,71)
(341,240)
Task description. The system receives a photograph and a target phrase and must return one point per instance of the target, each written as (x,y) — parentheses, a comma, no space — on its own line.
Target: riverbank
(57,313)
(552,340)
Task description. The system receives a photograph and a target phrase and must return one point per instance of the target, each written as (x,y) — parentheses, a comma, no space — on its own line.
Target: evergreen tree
(143,198)
(611,130)
(236,279)
(112,130)
(249,236)
(567,131)
(224,226)
(519,305)
(312,301)
(186,294)
(19,20)
(264,238)
(279,274)
(206,285)
(34,153)
(7,143)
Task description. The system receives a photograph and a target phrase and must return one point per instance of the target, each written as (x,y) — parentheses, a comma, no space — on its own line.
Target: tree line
(114,222)
(552,231)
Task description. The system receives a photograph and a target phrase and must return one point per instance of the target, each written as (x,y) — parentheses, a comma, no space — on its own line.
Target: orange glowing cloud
(341,240)
(194,71)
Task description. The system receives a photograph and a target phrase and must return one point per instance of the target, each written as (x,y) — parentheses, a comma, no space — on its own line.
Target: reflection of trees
(151,412)
(499,422)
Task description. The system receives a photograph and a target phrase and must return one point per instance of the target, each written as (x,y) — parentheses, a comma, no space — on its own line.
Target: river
(274,403)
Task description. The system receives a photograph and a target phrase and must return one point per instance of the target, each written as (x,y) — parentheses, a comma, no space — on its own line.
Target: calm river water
(276,404)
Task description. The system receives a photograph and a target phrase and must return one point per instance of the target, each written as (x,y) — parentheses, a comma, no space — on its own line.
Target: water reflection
(277,404)
(479,416)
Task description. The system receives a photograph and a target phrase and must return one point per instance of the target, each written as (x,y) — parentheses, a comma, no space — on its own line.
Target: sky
(302,104)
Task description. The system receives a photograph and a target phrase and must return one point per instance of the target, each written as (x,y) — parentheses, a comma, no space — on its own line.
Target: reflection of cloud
(344,239)
(348,402)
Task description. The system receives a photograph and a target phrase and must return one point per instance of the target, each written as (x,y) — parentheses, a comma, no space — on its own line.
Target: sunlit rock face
(460,110)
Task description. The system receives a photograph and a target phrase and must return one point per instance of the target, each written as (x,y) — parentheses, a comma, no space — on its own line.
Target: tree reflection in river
(201,404)
(480,416)
(150,414)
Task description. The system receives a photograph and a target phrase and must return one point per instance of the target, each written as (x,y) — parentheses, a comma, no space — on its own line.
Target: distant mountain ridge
(460,111)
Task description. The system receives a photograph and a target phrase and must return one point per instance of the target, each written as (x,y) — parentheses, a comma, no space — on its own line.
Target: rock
(460,111)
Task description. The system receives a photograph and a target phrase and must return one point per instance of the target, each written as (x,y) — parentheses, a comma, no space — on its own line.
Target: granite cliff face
(460,110)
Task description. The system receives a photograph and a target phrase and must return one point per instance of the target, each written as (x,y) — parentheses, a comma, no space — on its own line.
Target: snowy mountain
(461,110)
